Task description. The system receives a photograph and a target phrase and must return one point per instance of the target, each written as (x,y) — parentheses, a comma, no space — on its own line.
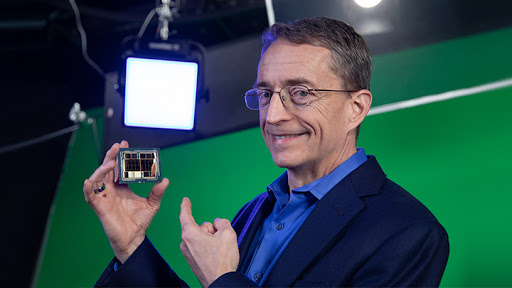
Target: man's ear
(360,105)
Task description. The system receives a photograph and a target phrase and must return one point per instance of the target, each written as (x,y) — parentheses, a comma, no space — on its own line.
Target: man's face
(312,137)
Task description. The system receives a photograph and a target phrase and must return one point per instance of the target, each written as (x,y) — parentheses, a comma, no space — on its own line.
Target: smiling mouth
(287,136)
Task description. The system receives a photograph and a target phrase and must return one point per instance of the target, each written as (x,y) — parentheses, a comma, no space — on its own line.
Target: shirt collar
(278,190)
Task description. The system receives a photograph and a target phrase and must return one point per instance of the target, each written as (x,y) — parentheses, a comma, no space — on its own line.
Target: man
(332,219)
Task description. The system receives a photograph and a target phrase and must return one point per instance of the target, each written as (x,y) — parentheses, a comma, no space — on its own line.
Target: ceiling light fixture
(367,3)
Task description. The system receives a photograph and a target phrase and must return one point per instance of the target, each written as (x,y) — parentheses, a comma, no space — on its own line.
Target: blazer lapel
(251,227)
(327,221)
(336,209)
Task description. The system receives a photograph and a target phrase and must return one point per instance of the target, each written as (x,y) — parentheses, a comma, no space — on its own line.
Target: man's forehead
(287,82)
(285,51)
(295,63)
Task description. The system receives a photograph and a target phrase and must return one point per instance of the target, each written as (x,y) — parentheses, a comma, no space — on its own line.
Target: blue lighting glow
(160,93)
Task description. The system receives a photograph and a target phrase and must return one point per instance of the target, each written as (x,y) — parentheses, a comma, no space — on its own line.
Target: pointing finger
(186,217)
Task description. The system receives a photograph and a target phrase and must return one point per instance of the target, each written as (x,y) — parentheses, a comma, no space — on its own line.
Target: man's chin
(285,163)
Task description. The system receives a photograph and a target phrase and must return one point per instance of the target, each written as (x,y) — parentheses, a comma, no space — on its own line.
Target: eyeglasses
(258,99)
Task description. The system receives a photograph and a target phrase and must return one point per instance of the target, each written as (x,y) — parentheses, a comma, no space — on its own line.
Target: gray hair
(350,54)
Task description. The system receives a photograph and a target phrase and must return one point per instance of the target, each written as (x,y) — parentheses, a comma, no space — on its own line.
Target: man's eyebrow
(288,82)
(261,84)
(299,81)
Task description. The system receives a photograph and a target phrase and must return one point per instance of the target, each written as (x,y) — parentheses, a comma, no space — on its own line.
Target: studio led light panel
(160,93)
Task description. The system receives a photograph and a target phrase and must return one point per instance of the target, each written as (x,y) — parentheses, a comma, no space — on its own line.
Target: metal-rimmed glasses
(300,95)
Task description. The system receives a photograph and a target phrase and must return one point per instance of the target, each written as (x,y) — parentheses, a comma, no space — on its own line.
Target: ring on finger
(99,190)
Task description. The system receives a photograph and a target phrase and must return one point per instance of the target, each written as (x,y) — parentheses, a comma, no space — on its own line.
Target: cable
(44,242)
(83,38)
(270,12)
(78,116)
(150,16)
(96,139)
(37,140)
(142,29)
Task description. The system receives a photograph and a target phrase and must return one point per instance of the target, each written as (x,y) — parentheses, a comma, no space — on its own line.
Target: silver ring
(99,190)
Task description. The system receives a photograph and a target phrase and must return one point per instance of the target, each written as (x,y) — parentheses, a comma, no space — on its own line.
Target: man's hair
(351,59)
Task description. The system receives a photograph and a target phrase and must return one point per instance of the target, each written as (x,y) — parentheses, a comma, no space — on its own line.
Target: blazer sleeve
(144,268)
(233,279)
(415,256)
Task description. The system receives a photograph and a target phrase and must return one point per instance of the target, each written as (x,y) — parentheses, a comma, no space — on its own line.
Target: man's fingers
(102,175)
(111,153)
(105,173)
(220,224)
(124,144)
(225,231)
(208,227)
(186,217)
(155,197)
(98,177)
(109,177)
(88,191)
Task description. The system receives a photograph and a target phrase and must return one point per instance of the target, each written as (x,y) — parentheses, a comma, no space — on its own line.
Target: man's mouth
(287,136)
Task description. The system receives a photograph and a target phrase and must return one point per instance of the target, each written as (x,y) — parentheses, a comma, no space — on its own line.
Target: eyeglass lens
(260,98)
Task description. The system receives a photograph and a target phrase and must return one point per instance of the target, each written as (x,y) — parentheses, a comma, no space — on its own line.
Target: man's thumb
(155,197)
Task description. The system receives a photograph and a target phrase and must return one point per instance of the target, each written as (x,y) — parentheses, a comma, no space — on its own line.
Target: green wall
(452,155)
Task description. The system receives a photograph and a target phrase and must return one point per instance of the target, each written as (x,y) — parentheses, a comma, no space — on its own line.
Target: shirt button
(280,226)
(257,276)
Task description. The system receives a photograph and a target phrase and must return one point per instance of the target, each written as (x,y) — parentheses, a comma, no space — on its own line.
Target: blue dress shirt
(290,211)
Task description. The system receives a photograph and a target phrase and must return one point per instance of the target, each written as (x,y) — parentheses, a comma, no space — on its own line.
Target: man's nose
(276,110)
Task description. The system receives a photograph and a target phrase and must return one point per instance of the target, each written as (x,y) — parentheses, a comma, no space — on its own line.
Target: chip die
(139,165)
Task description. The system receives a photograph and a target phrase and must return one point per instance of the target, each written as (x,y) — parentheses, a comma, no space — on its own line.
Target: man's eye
(299,92)
(263,94)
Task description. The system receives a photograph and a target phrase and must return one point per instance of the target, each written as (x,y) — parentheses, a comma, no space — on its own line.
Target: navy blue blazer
(367,231)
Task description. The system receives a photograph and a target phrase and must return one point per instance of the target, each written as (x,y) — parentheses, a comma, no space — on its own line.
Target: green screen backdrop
(453,155)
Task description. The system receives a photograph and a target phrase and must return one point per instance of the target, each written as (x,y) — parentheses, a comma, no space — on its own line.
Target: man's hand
(124,215)
(211,250)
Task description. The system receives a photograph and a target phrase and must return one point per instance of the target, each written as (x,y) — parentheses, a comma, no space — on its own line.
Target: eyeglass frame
(283,99)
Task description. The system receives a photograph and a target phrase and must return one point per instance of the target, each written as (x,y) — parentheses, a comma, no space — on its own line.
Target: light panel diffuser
(160,93)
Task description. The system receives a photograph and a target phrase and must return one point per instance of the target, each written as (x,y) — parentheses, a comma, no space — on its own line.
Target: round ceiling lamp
(367,3)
